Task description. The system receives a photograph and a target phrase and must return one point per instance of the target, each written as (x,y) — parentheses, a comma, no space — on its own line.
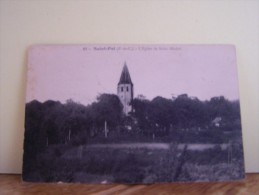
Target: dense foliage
(179,120)
(52,122)
(185,112)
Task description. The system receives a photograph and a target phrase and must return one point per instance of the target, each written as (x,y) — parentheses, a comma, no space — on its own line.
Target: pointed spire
(125,76)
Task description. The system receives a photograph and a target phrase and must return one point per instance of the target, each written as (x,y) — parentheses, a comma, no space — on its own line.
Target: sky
(82,72)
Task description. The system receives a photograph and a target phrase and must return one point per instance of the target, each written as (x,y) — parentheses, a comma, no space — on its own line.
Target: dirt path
(199,147)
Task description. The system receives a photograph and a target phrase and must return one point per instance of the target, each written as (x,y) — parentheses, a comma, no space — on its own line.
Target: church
(125,90)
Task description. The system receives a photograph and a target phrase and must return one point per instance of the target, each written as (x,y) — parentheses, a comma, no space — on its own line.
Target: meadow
(92,164)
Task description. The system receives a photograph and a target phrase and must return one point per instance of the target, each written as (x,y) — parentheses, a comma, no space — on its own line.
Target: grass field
(136,164)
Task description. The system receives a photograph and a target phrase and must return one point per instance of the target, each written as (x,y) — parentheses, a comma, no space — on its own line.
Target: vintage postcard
(132,114)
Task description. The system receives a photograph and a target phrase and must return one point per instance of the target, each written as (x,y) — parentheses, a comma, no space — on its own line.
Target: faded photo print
(132,114)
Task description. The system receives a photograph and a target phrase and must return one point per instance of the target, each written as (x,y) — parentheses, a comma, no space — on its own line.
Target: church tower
(125,90)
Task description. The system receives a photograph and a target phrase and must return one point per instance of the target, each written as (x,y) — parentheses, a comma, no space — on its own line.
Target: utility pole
(69,134)
(105,129)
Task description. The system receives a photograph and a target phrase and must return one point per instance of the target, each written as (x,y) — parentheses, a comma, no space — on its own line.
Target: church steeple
(125,90)
(125,76)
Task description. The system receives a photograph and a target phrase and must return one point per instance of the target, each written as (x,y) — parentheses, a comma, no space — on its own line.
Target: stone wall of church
(125,94)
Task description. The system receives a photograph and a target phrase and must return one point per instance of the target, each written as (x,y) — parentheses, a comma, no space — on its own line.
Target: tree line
(52,122)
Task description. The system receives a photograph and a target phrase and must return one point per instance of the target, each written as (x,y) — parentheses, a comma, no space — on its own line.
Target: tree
(162,114)
(107,108)
(190,112)
(141,113)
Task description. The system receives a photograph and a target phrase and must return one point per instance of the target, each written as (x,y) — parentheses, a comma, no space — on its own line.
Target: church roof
(125,76)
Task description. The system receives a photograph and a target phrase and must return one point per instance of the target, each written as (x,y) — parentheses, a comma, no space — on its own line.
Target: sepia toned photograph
(133,114)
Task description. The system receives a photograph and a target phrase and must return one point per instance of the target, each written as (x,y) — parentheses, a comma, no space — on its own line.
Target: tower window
(127,88)
(121,88)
